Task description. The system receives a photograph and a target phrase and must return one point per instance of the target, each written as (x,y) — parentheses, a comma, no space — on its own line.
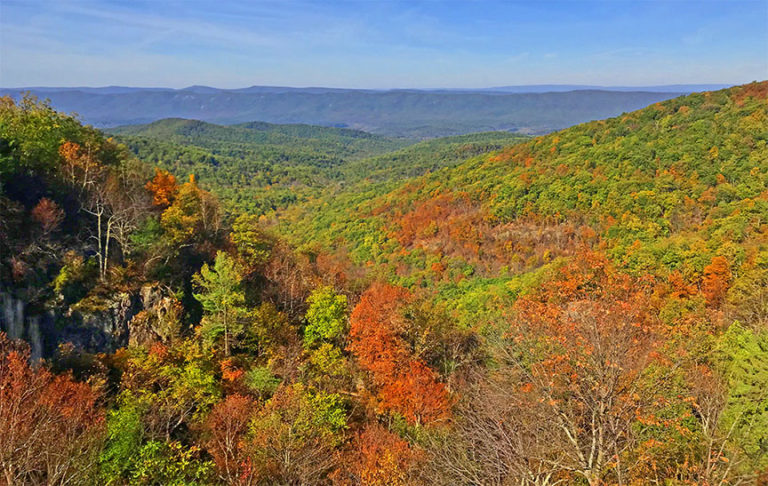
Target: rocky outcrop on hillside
(101,324)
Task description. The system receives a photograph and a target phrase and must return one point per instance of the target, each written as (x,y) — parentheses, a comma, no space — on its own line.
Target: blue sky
(381,44)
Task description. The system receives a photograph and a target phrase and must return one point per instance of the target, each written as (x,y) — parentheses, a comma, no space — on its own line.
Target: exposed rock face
(18,323)
(12,316)
(158,319)
(35,338)
(104,328)
(102,325)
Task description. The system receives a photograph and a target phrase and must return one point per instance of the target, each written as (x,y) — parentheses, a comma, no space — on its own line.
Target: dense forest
(261,167)
(585,307)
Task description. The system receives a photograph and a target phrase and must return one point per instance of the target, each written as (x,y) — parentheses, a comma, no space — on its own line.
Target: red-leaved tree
(225,430)
(51,426)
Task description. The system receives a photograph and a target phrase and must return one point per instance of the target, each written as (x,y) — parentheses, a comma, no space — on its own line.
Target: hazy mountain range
(401,112)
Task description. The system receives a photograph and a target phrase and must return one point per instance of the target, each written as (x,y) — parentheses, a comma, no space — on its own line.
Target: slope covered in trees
(587,307)
(260,167)
(672,197)
(338,142)
(254,166)
(663,190)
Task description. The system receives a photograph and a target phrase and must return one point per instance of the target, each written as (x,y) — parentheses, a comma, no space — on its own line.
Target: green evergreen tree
(223,299)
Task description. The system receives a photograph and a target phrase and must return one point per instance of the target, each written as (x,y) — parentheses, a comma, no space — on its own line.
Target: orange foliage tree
(377,457)
(717,276)
(48,214)
(163,188)
(80,164)
(578,349)
(405,384)
(225,430)
(51,426)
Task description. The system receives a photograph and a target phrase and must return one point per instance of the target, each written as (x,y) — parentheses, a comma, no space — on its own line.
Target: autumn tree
(193,219)
(48,214)
(404,384)
(48,217)
(128,201)
(577,350)
(51,427)
(111,194)
(225,432)
(717,276)
(164,392)
(290,279)
(496,437)
(748,295)
(253,245)
(171,387)
(80,164)
(716,462)
(163,188)
(326,316)
(222,297)
(90,177)
(378,457)
(293,437)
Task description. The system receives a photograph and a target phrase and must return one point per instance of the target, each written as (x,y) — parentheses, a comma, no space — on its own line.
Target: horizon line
(484,88)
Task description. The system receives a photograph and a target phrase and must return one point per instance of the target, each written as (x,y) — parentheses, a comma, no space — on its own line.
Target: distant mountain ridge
(521,88)
(663,88)
(403,113)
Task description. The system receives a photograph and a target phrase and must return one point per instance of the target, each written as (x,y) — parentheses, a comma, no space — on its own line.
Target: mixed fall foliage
(586,307)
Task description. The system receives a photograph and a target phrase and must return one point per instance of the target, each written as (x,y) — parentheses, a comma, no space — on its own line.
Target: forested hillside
(254,166)
(586,307)
(261,167)
(660,190)
(670,200)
